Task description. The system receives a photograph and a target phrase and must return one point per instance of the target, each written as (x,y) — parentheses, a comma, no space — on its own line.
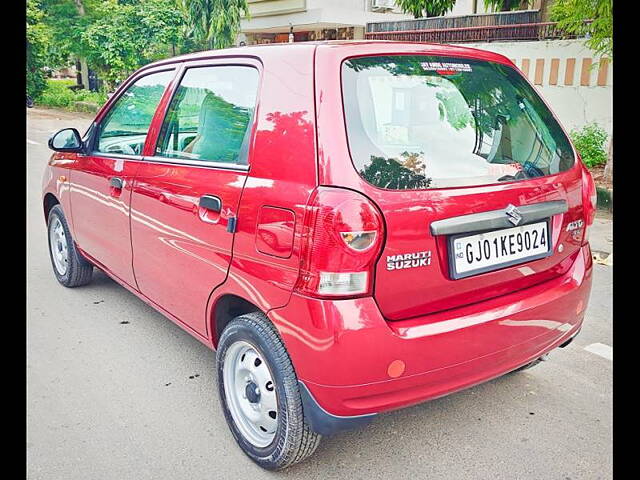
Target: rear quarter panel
(282,174)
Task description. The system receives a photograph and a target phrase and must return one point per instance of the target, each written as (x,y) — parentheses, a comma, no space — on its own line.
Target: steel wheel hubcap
(58,246)
(250,393)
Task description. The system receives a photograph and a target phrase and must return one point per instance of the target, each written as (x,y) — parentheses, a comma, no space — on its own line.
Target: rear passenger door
(185,197)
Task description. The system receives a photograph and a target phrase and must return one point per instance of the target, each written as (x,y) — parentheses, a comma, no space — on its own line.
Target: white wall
(465,7)
(574,104)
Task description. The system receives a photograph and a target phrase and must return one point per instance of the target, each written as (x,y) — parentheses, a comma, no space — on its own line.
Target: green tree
(115,36)
(426,8)
(571,16)
(37,40)
(212,23)
(164,21)
(66,21)
(125,36)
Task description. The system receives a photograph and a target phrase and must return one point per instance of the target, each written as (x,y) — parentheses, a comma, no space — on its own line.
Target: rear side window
(124,128)
(420,122)
(210,115)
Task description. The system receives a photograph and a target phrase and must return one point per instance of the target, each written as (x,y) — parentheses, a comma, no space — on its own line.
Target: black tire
(79,270)
(294,440)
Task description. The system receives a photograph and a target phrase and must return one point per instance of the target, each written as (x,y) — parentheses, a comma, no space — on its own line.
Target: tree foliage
(212,23)
(66,26)
(37,40)
(426,8)
(125,36)
(571,16)
(119,36)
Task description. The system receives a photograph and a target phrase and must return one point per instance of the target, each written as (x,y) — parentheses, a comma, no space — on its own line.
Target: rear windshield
(419,122)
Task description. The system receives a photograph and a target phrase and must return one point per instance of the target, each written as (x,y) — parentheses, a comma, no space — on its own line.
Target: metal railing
(489,33)
(458,21)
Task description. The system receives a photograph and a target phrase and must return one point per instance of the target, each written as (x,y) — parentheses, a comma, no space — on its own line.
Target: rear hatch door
(477,182)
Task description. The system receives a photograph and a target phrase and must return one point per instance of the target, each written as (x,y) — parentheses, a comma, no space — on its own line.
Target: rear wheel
(69,267)
(259,393)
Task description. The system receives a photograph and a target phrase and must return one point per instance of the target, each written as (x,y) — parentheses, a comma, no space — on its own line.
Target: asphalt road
(116,391)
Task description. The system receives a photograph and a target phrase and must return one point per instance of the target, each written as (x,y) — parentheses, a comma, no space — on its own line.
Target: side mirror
(66,140)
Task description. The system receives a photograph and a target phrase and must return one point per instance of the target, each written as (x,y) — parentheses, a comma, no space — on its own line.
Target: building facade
(271,21)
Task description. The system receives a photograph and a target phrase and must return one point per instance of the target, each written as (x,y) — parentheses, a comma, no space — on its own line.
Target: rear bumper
(342,350)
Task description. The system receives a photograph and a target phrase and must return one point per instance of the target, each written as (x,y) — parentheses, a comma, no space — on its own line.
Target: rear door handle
(117,183)
(210,202)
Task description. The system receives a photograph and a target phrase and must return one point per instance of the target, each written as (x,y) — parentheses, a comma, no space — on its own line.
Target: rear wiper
(521,175)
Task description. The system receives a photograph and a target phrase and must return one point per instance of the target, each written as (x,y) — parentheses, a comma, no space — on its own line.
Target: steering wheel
(121,148)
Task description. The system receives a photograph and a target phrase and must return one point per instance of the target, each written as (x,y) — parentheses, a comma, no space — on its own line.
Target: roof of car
(369,45)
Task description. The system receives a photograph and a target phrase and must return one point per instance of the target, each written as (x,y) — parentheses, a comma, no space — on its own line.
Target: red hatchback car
(355,227)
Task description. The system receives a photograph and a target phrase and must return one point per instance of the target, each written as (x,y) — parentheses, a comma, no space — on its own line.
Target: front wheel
(69,267)
(260,396)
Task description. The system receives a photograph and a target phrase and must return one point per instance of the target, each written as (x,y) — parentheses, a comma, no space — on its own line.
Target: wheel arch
(227,307)
(48,202)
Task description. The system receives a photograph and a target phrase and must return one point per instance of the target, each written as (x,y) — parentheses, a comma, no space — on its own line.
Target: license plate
(484,252)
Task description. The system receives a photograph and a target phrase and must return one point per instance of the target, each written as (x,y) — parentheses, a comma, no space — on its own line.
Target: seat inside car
(214,140)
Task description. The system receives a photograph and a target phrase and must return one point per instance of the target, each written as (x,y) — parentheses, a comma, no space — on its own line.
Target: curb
(605,198)
(87,107)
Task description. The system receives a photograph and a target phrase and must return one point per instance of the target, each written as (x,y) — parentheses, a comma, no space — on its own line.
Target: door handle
(210,202)
(117,183)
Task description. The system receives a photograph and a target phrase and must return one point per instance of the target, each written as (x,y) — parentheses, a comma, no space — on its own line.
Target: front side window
(420,122)
(124,128)
(209,118)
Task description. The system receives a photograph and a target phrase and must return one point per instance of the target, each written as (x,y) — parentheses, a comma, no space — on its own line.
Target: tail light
(589,201)
(342,238)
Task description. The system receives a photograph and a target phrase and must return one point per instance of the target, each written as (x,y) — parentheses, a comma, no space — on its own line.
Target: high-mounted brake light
(343,232)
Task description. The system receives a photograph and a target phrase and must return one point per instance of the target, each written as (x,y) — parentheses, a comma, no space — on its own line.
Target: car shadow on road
(428,431)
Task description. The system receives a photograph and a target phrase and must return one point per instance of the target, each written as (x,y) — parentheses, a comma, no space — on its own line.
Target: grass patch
(58,95)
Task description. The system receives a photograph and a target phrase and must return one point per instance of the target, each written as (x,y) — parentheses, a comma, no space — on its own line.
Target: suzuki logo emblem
(513,215)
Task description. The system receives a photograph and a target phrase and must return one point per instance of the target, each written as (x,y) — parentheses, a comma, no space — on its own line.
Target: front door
(185,197)
(101,181)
